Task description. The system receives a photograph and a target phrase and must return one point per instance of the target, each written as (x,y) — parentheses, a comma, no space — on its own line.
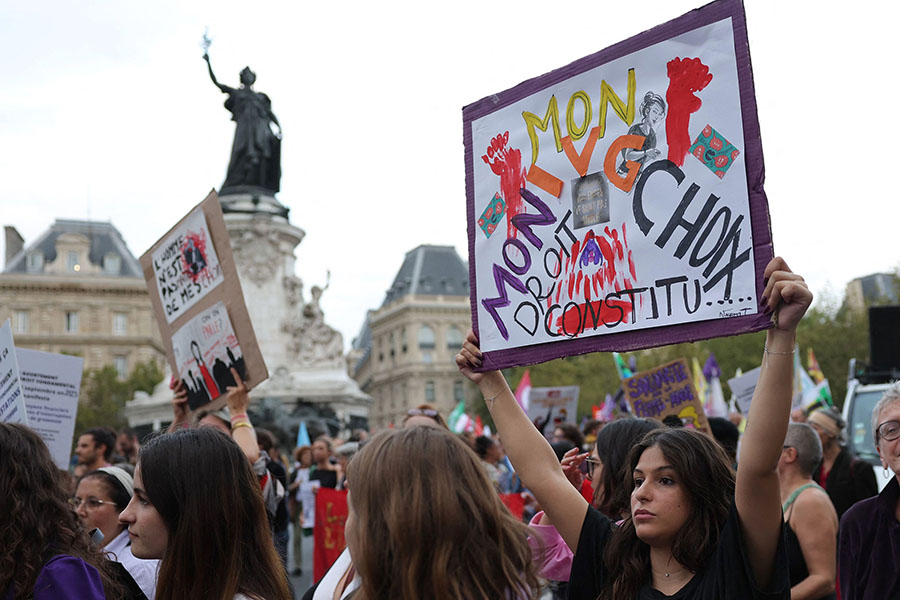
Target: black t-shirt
(727,574)
(328,479)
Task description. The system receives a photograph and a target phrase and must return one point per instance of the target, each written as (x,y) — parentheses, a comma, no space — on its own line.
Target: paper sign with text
(51,384)
(559,404)
(631,181)
(666,390)
(742,387)
(199,306)
(12,402)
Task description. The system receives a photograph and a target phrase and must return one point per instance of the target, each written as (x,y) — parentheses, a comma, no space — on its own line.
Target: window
(20,321)
(454,339)
(403,339)
(34,262)
(71,321)
(112,264)
(72,262)
(121,364)
(120,323)
(429,392)
(458,393)
(426,338)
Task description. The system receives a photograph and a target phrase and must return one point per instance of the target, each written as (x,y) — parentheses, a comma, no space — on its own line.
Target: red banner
(328,533)
(515,503)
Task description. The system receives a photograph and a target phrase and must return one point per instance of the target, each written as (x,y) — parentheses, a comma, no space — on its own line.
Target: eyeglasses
(428,412)
(588,466)
(92,503)
(888,431)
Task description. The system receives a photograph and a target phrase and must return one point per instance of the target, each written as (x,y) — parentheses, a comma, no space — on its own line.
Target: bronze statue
(255,163)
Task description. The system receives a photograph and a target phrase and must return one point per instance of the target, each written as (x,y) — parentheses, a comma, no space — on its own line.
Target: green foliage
(103,394)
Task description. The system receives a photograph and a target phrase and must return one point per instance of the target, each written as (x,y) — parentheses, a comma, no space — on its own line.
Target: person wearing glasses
(604,467)
(869,544)
(99,498)
(45,552)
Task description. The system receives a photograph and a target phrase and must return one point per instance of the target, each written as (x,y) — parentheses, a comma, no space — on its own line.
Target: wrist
(492,384)
(779,340)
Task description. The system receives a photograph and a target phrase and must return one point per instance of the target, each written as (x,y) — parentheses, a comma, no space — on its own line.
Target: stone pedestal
(307,371)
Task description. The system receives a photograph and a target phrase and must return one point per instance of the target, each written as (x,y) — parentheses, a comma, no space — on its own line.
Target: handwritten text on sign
(664,391)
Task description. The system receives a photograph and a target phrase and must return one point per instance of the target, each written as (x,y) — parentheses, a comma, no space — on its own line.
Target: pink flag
(523,390)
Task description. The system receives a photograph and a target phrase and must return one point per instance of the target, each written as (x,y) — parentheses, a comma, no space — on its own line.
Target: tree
(103,394)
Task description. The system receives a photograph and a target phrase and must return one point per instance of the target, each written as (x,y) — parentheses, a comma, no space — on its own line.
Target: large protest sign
(666,390)
(617,202)
(555,405)
(12,401)
(51,384)
(199,306)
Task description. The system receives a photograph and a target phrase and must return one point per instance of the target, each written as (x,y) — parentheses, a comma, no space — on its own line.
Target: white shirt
(144,572)
(332,578)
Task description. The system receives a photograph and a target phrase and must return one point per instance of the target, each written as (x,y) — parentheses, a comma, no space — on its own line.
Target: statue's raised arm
(225,89)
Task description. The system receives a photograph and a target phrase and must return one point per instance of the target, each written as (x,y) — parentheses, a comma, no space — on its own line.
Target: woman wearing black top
(694,530)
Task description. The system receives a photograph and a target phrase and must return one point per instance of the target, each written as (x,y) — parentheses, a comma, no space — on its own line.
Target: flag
(487,430)
(523,390)
(303,435)
(596,412)
(463,423)
(812,366)
(606,414)
(328,532)
(479,426)
(715,405)
(804,386)
(454,416)
(699,380)
(621,368)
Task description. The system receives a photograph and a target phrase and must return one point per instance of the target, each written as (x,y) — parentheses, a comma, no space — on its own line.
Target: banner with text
(617,203)
(555,405)
(667,390)
(12,401)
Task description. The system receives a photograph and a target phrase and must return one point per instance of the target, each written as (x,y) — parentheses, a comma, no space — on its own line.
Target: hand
(180,408)
(652,153)
(469,357)
(787,294)
(206,56)
(237,396)
(571,465)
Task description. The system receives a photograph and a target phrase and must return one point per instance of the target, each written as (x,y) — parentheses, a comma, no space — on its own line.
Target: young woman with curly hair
(198,507)
(45,552)
(426,522)
(694,530)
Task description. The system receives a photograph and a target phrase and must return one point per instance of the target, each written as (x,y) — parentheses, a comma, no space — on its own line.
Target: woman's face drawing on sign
(195,352)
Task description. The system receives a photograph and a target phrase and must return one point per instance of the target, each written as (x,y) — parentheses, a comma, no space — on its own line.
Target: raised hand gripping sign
(630,185)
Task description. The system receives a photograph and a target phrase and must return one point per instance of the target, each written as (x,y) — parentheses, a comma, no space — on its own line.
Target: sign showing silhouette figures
(199,306)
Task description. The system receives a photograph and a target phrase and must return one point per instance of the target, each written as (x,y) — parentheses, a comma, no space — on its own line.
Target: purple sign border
(759,206)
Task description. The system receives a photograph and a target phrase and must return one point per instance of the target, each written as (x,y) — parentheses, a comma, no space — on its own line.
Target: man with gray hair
(812,523)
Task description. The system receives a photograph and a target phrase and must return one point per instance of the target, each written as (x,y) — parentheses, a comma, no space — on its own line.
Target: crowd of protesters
(630,508)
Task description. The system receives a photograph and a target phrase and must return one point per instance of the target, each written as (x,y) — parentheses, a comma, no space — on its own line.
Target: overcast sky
(107,113)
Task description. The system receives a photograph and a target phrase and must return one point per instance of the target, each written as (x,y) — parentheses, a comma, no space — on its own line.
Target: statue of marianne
(256,152)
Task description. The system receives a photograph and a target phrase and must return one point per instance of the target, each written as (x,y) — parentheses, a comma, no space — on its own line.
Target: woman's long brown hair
(704,471)
(37,522)
(427,522)
(220,542)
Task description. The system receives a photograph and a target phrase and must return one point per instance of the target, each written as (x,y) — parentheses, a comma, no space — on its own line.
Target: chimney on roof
(14,243)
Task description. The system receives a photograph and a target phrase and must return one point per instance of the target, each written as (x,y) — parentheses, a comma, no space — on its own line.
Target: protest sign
(666,390)
(328,533)
(556,405)
(12,402)
(51,384)
(199,306)
(617,203)
(742,388)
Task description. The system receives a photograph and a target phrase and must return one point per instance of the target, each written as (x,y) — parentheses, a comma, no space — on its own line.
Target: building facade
(78,290)
(405,353)
(877,288)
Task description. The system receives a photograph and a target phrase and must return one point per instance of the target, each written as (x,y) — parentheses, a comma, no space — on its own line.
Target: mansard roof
(430,270)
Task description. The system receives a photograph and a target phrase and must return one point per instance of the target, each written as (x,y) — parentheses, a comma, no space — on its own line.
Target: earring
(886,472)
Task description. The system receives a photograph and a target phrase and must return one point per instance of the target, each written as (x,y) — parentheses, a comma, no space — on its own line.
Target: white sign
(186,266)
(51,384)
(743,387)
(12,404)
(557,405)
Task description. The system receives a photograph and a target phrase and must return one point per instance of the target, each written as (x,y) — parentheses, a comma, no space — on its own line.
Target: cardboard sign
(559,403)
(743,387)
(51,384)
(12,401)
(633,208)
(199,305)
(666,390)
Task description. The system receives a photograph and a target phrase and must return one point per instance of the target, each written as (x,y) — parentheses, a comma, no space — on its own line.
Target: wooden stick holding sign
(199,306)
(667,390)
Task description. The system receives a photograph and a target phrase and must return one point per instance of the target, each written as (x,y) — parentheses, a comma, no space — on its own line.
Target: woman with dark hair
(436,528)
(693,529)
(45,552)
(567,431)
(198,507)
(99,498)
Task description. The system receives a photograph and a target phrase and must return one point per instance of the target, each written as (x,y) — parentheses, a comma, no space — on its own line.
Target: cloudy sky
(107,113)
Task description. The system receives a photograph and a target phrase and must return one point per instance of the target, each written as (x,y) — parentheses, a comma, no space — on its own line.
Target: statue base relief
(304,355)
